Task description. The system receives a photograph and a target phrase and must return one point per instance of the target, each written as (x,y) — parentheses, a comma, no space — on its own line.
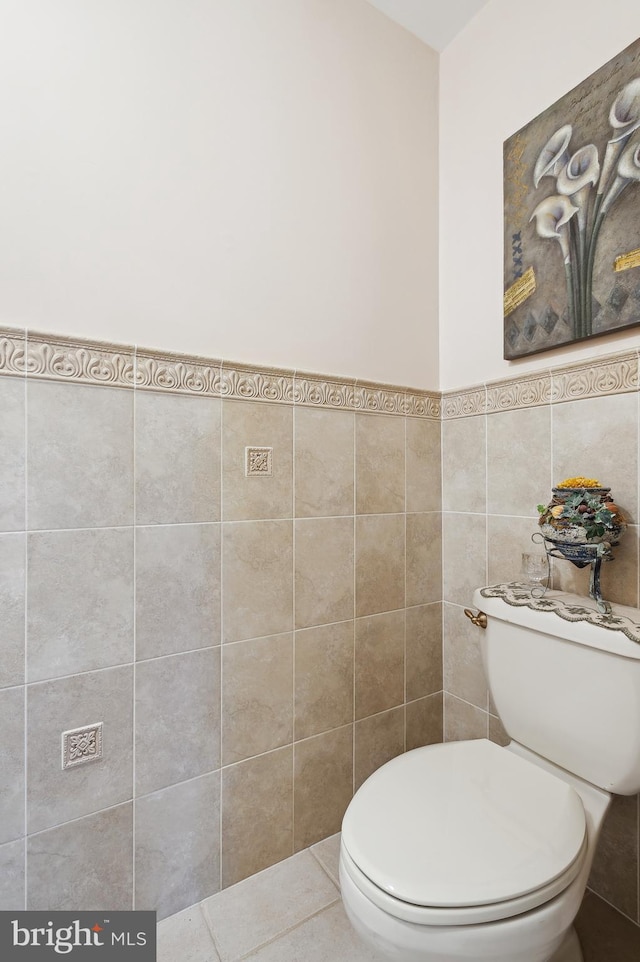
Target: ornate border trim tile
(246,383)
(177,374)
(464,404)
(525,392)
(59,358)
(599,377)
(424,405)
(380,398)
(12,352)
(313,390)
(83,362)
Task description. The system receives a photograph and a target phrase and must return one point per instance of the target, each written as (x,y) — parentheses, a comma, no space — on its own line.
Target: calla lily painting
(572,176)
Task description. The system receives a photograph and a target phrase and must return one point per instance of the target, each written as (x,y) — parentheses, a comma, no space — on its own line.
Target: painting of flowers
(572,215)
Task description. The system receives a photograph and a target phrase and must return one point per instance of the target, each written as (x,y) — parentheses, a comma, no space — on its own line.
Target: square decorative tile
(258,462)
(82,745)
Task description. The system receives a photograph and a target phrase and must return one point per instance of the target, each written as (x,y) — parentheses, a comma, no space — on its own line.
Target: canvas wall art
(572,215)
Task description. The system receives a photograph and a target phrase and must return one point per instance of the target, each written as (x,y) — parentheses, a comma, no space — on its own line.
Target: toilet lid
(463,824)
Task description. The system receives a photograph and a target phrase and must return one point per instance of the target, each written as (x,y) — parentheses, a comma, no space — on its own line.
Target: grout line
(221,423)
(26,622)
(135,639)
(293,624)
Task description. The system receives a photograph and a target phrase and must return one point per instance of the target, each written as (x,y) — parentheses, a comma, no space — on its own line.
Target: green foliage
(594,516)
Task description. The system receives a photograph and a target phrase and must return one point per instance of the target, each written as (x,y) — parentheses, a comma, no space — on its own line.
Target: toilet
(468,851)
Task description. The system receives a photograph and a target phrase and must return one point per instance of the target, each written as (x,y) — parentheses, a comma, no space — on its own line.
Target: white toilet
(468,851)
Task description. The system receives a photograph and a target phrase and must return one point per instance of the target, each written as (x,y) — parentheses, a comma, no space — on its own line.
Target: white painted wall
(512,62)
(249,179)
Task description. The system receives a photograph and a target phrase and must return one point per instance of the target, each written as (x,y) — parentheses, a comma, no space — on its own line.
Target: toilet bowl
(472,852)
(469,851)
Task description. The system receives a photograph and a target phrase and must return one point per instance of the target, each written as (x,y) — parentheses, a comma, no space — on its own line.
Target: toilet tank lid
(571,617)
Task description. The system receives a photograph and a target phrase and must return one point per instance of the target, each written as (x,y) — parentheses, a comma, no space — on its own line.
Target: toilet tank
(565,680)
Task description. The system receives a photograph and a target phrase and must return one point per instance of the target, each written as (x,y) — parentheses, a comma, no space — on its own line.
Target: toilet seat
(461,833)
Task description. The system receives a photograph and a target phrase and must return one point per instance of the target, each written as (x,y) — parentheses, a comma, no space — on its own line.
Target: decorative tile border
(423,405)
(379,398)
(464,404)
(12,352)
(617,374)
(526,392)
(247,383)
(75,360)
(177,374)
(314,390)
(82,362)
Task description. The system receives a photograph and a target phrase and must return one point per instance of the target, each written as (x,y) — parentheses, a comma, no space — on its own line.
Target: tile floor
(292,912)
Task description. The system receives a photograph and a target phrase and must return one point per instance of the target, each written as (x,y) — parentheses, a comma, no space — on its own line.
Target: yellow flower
(579,483)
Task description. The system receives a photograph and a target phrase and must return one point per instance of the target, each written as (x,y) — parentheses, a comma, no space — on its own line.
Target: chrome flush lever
(479,620)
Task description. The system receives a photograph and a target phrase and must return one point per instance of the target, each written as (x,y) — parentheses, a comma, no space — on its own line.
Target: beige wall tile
(12,463)
(12,764)
(424,558)
(463,671)
(380,563)
(424,721)
(614,874)
(497,731)
(619,577)
(257,814)
(80,608)
(87,862)
(464,464)
(323,784)
(257,579)
(508,539)
(464,553)
(598,438)
(423,650)
(377,740)
(324,678)
(80,454)
(379,663)
(12,876)
(324,550)
(257,697)
(176,868)
(518,469)
(177,737)
(324,463)
(12,606)
(604,934)
(380,460)
(55,795)
(177,459)
(254,424)
(424,465)
(177,588)
(462,721)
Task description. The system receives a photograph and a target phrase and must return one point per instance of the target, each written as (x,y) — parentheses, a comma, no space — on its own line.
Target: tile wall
(504,445)
(254,646)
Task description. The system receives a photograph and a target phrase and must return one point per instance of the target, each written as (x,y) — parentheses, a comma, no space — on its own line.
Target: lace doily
(519,595)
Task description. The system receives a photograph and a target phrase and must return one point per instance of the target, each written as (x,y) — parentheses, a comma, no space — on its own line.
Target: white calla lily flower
(552,216)
(554,155)
(624,118)
(577,178)
(628,173)
(624,115)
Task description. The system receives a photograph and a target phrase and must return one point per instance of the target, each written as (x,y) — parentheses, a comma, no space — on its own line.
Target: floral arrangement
(585,192)
(581,511)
